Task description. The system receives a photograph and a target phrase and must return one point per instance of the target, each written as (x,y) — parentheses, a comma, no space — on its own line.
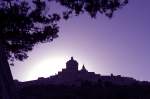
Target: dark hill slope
(87,90)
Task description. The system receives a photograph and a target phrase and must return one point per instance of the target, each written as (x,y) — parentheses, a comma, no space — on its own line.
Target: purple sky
(119,45)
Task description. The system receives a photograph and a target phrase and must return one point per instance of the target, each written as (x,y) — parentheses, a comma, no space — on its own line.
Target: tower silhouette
(72,65)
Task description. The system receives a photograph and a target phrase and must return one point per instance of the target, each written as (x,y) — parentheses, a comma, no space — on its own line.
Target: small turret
(83,69)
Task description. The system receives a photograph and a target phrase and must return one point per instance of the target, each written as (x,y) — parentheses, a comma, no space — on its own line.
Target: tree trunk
(7,88)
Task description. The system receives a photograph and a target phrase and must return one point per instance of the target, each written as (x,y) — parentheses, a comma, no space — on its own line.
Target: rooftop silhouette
(71,75)
(71,83)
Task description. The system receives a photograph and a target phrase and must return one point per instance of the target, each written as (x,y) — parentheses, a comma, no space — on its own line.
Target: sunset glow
(46,67)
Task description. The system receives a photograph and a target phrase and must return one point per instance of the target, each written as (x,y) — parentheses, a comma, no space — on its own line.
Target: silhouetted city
(71,83)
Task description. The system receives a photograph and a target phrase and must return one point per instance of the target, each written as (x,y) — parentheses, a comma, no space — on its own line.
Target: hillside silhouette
(71,83)
(87,90)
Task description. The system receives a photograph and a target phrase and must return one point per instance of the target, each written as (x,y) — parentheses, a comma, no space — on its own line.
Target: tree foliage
(23,23)
(92,7)
(21,27)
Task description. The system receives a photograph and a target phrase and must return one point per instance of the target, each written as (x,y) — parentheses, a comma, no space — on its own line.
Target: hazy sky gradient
(120,45)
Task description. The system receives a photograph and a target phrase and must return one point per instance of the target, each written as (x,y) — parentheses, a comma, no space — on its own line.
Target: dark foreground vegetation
(87,90)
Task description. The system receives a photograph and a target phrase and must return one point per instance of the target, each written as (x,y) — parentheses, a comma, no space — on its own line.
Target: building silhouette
(71,75)
(81,84)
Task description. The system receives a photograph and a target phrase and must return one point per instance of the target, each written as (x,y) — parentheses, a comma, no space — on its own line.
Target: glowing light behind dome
(46,67)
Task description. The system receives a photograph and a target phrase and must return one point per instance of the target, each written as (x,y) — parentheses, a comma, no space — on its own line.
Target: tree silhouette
(23,25)
(93,7)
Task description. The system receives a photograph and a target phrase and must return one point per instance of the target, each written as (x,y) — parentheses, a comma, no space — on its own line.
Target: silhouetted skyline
(72,75)
(119,45)
(81,84)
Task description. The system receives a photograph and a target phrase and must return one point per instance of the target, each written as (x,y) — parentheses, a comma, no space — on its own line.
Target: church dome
(72,65)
